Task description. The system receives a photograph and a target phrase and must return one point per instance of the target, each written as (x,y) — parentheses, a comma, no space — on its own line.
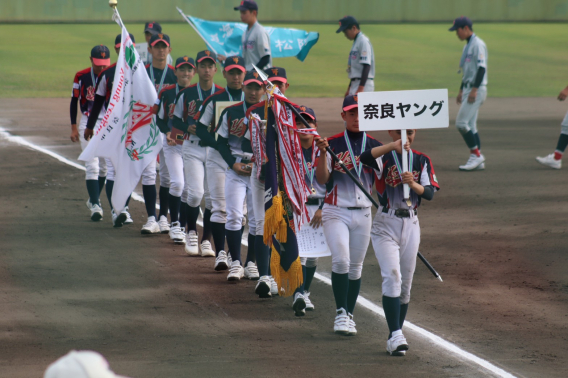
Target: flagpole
(194,28)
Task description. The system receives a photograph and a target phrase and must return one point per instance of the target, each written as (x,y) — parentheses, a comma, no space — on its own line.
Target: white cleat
(273,287)
(299,305)
(164,225)
(473,162)
(206,249)
(151,227)
(128,217)
(96,211)
(480,167)
(341,324)
(309,305)
(118,220)
(352,329)
(549,161)
(262,288)
(177,233)
(397,345)
(229,260)
(236,272)
(221,261)
(251,271)
(191,247)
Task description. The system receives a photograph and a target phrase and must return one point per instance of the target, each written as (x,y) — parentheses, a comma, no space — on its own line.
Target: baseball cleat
(352,329)
(341,324)
(480,167)
(251,271)
(309,305)
(206,250)
(221,261)
(273,286)
(299,305)
(151,227)
(191,247)
(96,211)
(229,259)
(473,162)
(177,233)
(236,272)
(397,345)
(549,161)
(164,225)
(262,288)
(118,220)
(128,217)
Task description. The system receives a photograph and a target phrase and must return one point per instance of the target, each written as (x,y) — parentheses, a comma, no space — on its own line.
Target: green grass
(524,59)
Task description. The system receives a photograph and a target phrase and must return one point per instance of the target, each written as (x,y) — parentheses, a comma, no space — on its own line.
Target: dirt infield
(497,237)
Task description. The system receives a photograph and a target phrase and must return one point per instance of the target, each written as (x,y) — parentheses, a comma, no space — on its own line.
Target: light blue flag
(225,38)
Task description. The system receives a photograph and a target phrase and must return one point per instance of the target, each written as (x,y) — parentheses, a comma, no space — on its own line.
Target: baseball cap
(253,77)
(235,62)
(304,110)
(100,55)
(460,22)
(206,54)
(277,74)
(350,102)
(118,40)
(185,60)
(152,27)
(247,5)
(160,37)
(346,22)
(80,364)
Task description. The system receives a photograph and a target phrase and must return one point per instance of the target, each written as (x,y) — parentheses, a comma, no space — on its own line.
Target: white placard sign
(403,110)
(312,242)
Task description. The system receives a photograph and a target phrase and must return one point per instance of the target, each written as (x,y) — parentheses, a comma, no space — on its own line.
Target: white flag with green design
(128,134)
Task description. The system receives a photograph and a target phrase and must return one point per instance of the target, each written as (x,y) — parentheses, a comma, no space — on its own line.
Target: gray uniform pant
(467,115)
(369,86)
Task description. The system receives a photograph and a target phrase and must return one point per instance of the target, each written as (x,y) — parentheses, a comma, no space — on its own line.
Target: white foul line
(450,347)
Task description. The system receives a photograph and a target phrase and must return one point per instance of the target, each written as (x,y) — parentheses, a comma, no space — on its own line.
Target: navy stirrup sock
(352,294)
(392,313)
(175,204)
(218,230)
(149,192)
(262,253)
(206,225)
(340,286)
(251,255)
(102,180)
(164,200)
(309,277)
(234,243)
(93,189)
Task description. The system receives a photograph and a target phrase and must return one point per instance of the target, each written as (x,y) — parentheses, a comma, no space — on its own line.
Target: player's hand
(74,134)
(397,146)
(88,134)
(360,89)
(321,143)
(221,58)
(171,142)
(459,98)
(192,129)
(408,178)
(472,95)
(562,96)
(242,169)
(316,221)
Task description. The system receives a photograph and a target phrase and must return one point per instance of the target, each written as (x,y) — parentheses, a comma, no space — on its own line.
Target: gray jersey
(256,44)
(474,56)
(361,53)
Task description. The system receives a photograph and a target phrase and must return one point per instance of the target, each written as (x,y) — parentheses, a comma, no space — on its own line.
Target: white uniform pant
(347,233)
(257,189)
(96,166)
(149,174)
(396,242)
(216,171)
(110,170)
(237,191)
(173,159)
(194,164)
(564,125)
(466,119)
(369,86)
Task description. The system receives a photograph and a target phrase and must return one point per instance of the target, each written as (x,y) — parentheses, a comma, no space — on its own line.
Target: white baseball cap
(80,364)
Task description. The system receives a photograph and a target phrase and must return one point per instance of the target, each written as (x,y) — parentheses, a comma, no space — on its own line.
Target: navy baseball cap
(309,112)
(185,60)
(346,22)
(235,62)
(152,27)
(461,22)
(277,74)
(350,102)
(160,38)
(206,54)
(247,5)
(118,40)
(100,55)
(253,77)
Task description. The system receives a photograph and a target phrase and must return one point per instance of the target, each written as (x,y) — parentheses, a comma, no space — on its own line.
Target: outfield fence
(309,11)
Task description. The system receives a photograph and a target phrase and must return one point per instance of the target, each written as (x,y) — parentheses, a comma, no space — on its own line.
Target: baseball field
(498,237)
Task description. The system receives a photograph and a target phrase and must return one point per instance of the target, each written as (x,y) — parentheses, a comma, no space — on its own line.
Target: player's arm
(562,96)
(364,77)
(365,59)
(263,49)
(73,113)
(203,119)
(323,169)
(369,156)
(481,69)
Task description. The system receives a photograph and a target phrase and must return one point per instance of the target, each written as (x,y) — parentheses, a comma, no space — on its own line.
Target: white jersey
(474,56)
(256,44)
(361,53)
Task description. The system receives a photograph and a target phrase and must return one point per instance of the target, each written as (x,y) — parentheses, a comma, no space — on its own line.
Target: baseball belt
(401,213)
